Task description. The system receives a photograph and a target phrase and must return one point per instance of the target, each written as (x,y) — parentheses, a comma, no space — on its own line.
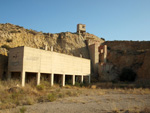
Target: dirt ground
(93,101)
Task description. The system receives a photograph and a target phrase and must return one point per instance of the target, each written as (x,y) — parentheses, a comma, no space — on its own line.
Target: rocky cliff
(132,55)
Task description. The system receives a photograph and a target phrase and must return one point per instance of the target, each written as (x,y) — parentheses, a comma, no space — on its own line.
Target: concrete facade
(98,55)
(94,56)
(26,59)
(3,65)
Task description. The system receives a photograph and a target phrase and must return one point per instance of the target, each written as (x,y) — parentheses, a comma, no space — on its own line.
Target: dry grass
(138,91)
(11,95)
(137,84)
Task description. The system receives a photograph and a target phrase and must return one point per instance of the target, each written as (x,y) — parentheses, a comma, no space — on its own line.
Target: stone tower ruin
(81,28)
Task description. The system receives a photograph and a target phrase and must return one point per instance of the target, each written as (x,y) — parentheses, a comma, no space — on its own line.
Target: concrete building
(81,28)
(28,61)
(94,56)
(98,55)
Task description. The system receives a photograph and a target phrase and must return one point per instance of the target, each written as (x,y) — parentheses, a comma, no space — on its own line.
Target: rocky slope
(65,42)
(133,55)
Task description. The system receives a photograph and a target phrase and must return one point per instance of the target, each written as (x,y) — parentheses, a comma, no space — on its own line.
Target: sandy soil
(92,101)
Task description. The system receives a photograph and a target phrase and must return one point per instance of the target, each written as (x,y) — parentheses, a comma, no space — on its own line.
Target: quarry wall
(130,54)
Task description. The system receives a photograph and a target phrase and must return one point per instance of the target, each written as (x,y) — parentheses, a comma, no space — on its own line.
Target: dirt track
(92,101)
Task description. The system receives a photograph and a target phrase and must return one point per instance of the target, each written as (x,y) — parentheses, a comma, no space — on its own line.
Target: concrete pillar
(38,78)
(23,78)
(73,79)
(46,47)
(81,55)
(52,79)
(51,48)
(89,79)
(63,80)
(81,78)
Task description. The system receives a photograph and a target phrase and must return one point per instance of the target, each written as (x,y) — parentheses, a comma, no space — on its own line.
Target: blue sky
(110,19)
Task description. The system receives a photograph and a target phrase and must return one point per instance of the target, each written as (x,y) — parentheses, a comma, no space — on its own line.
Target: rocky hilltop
(65,42)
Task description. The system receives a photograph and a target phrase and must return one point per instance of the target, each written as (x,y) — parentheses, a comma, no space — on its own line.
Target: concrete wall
(94,56)
(3,66)
(15,60)
(36,60)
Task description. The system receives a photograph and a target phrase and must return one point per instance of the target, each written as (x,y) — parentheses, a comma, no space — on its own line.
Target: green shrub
(6,46)
(32,32)
(13,31)
(57,90)
(9,40)
(61,95)
(23,110)
(79,84)
(102,38)
(40,87)
(69,93)
(51,97)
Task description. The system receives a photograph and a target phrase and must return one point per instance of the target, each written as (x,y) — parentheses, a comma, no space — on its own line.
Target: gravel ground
(91,102)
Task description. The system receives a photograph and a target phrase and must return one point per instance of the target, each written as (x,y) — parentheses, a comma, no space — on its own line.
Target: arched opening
(128,75)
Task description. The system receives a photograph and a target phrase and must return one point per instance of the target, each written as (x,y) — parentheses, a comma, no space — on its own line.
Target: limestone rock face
(130,54)
(144,70)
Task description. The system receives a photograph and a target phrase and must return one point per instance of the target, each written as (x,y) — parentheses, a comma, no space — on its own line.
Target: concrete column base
(38,78)
(73,79)
(81,78)
(63,80)
(23,78)
(52,79)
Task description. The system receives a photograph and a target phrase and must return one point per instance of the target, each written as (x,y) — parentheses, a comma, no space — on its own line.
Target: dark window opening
(16,76)
(68,79)
(31,78)
(57,79)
